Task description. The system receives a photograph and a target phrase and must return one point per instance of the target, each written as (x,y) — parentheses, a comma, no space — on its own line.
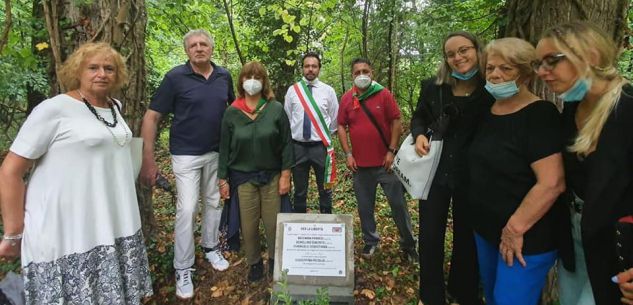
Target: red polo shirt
(367,147)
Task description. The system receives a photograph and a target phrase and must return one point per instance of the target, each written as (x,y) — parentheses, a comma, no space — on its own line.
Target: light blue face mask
(466,76)
(502,91)
(578,91)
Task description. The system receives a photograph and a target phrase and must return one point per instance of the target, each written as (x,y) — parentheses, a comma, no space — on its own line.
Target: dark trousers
(366,180)
(463,279)
(310,155)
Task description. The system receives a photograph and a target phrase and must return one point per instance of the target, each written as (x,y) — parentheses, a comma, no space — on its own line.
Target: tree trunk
(364,26)
(528,19)
(121,23)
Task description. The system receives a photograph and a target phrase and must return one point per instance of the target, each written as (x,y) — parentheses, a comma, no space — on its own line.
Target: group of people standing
(76,222)
(529,187)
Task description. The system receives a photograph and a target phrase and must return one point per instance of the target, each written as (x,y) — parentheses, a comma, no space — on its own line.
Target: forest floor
(386,278)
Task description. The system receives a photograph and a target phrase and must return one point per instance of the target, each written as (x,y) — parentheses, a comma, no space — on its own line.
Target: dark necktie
(307,126)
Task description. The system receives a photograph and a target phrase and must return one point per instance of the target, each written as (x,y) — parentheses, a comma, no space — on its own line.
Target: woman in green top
(255,159)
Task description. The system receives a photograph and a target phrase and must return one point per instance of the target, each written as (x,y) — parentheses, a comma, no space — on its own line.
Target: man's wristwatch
(394,151)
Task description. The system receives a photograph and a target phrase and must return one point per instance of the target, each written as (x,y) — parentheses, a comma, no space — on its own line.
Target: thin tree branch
(229,16)
(50,14)
(4,39)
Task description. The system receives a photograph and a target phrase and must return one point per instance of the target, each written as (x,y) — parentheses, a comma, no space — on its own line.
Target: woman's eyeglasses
(548,63)
(461,51)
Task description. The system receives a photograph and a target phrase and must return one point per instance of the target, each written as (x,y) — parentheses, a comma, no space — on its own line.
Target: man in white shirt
(311,133)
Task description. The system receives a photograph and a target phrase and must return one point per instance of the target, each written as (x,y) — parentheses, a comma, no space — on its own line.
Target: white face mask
(362,81)
(252,86)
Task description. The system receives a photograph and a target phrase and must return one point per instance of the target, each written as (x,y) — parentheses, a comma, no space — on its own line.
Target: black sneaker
(411,255)
(256,272)
(271,267)
(368,251)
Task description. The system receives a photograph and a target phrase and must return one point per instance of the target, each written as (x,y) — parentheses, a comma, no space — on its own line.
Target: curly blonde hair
(70,71)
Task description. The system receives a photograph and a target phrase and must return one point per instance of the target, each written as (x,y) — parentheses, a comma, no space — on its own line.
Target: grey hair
(198,32)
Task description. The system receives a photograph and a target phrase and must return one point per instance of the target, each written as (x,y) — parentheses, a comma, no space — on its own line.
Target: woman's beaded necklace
(99,117)
(109,126)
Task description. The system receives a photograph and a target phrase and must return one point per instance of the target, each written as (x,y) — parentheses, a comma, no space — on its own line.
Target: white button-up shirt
(326,100)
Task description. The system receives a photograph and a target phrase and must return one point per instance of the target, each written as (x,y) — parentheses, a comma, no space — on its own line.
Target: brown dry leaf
(410,291)
(390,283)
(246,300)
(260,302)
(370,294)
(216,294)
(238,262)
(214,288)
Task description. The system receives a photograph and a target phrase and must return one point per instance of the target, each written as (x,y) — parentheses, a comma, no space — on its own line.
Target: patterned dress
(82,240)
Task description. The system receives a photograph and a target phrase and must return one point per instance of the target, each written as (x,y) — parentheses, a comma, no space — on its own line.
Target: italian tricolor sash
(318,121)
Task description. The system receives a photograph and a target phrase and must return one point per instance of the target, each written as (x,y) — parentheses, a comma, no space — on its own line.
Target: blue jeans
(515,285)
(574,287)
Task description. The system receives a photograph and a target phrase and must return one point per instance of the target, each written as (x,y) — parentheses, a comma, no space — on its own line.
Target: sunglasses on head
(548,63)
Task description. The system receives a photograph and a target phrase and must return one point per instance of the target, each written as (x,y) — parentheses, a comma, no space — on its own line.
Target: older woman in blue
(516,173)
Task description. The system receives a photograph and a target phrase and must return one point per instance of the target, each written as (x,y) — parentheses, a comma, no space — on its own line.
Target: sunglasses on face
(548,63)
(461,51)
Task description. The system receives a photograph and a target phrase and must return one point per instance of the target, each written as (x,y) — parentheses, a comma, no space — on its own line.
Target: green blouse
(263,144)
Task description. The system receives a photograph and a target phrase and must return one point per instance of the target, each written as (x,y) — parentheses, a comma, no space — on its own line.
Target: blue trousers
(515,285)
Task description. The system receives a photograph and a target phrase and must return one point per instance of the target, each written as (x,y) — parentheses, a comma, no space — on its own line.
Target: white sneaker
(184,284)
(217,260)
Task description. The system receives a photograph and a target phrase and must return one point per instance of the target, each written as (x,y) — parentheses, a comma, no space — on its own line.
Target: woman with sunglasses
(578,61)
(456,95)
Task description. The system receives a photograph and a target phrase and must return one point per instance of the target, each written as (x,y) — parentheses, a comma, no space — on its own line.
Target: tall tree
(121,23)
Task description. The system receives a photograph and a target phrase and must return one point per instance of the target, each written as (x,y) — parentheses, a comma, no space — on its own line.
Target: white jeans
(195,176)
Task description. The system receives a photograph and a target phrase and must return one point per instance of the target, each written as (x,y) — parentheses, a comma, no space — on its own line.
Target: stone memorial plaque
(316,250)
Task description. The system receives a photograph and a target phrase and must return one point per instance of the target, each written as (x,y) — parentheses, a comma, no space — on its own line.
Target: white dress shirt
(326,100)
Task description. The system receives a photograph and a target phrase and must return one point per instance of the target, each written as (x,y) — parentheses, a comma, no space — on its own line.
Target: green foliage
(283,295)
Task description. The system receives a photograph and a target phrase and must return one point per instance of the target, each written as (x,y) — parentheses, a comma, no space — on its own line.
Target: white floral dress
(82,240)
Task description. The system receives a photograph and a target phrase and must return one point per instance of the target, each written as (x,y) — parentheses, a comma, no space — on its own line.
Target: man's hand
(351,163)
(422,145)
(386,163)
(149,172)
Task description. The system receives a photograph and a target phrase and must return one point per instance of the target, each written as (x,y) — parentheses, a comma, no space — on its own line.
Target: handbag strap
(375,123)
(436,119)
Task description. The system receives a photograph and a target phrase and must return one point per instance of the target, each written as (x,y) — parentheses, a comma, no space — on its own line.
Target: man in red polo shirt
(373,153)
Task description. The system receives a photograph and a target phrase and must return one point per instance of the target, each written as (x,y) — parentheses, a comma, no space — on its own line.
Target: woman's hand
(422,145)
(625,279)
(511,245)
(224,189)
(10,248)
(284,182)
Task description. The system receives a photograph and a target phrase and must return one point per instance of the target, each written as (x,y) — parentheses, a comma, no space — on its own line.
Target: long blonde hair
(580,41)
